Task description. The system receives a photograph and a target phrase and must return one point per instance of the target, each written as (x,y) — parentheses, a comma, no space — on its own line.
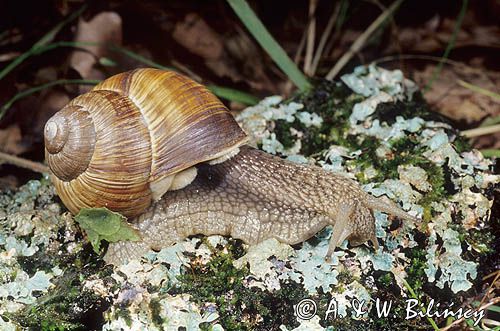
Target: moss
(345,277)
(333,102)
(284,133)
(155,308)
(123,313)
(239,307)
(68,305)
(481,240)
(219,282)
(416,269)
(436,178)
(462,144)
(386,279)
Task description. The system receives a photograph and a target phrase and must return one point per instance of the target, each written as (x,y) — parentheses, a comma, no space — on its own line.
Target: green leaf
(103,224)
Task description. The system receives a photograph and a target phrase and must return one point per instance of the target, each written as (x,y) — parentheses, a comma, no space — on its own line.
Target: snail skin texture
(162,150)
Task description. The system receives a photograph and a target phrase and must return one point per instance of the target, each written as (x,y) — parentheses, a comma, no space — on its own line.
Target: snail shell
(133,137)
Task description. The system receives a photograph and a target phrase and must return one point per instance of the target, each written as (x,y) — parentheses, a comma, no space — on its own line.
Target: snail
(162,150)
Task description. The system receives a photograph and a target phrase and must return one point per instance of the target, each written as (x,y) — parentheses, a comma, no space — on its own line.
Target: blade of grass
(220,91)
(478,89)
(492,302)
(492,308)
(47,38)
(138,57)
(233,95)
(264,38)
(490,152)
(490,121)
(414,296)
(361,40)
(27,92)
(450,45)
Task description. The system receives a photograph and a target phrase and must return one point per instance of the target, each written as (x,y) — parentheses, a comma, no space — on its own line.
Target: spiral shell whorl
(148,126)
(69,149)
(117,173)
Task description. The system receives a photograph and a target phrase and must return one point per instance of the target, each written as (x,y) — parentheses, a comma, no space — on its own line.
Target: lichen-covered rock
(374,127)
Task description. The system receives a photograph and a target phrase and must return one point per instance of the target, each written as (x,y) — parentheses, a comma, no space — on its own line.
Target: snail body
(203,179)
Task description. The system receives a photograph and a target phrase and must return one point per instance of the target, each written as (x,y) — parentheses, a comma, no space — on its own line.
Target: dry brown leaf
(105,28)
(8,56)
(199,38)
(487,141)
(245,51)
(11,140)
(436,33)
(455,101)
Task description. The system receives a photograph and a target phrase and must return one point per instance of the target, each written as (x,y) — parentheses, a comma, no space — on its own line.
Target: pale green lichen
(363,109)
(372,80)
(258,258)
(309,119)
(455,270)
(21,288)
(175,313)
(415,176)
(310,268)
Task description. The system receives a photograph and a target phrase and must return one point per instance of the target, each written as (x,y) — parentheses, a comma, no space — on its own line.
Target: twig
(311,35)
(23,163)
(460,320)
(324,38)
(361,40)
(497,277)
(481,131)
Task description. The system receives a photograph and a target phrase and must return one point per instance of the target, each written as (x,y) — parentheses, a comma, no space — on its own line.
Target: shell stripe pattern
(118,172)
(187,123)
(148,124)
